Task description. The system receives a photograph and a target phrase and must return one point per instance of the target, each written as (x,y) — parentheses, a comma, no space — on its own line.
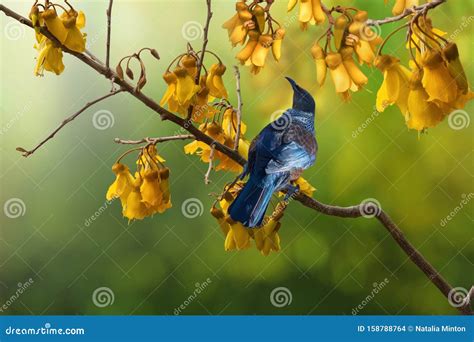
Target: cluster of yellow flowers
(65,27)
(184,91)
(238,237)
(310,12)
(255,23)
(222,129)
(351,37)
(434,87)
(145,193)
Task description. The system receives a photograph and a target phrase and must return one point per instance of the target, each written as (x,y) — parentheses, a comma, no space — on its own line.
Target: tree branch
(26,153)
(109,29)
(154,140)
(406,13)
(209,168)
(352,211)
(239,107)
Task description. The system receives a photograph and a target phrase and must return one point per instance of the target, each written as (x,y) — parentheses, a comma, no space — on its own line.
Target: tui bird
(277,156)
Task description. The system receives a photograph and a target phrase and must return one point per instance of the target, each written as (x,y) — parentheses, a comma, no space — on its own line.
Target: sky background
(329,265)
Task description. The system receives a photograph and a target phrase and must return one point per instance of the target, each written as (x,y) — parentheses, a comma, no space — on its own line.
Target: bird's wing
(298,151)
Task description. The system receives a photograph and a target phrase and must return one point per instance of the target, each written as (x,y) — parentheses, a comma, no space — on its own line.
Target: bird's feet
(291,191)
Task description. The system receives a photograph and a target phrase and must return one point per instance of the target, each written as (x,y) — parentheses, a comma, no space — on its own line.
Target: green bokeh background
(329,264)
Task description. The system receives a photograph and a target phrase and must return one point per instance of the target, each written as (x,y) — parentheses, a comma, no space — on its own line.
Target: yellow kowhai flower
(221,219)
(244,55)
(260,53)
(123,184)
(135,208)
(150,189)
(277,42)
(305,187)
(341,79)
(165,190)
(185,86)
(189,63)
(363,39)
(66,28)
(401,5)
(169,98)
(310,12)
(395,85)
(437,80)
(358,78)
(421,113)
(214,81)
(339,30)
(235,26)
(50,58)
(229,123)
(202,149)
(238,236)
(319,59)
(258,13)
(451,55)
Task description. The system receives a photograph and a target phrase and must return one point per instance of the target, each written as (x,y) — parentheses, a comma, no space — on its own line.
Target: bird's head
(302,100)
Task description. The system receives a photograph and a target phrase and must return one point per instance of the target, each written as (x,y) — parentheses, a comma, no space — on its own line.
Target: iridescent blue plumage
(277,155)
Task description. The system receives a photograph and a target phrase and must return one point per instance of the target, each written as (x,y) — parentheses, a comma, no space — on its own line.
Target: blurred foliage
(329,264)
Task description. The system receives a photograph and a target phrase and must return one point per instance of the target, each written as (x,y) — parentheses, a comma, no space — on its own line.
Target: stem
(109,29)
(239,108)
(26,153)
(154,141)
(209,168)
(352,211)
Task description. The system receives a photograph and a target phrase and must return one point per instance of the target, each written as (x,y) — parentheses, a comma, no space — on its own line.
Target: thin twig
(109,29)
(239,107)
(406,13)
(352,211)
(200,61)
(26,153)
(209,169)
(154,140)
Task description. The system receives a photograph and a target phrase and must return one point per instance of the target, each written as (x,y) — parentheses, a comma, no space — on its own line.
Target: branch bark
(154,140)
(109,29)
(239,107)
(352,211)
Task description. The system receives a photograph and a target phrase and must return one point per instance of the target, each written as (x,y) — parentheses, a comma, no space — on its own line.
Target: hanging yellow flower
(320,61)
(235,26)
(277,42)
(357,76)
(421,113)
(244,55)
(310,12)
(395,86)
(214,81)
(401,5)
(122,186)
(50,58)
(341,79)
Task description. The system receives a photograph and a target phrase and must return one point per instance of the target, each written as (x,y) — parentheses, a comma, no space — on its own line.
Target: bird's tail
(251,203)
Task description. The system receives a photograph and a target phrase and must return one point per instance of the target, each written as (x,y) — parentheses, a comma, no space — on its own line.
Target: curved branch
(154,140)
(352,211)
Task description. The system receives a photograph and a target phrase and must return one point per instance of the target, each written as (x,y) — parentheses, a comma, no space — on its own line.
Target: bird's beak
(292,82)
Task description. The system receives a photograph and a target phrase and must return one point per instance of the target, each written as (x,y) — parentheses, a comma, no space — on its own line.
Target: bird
(277,156)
